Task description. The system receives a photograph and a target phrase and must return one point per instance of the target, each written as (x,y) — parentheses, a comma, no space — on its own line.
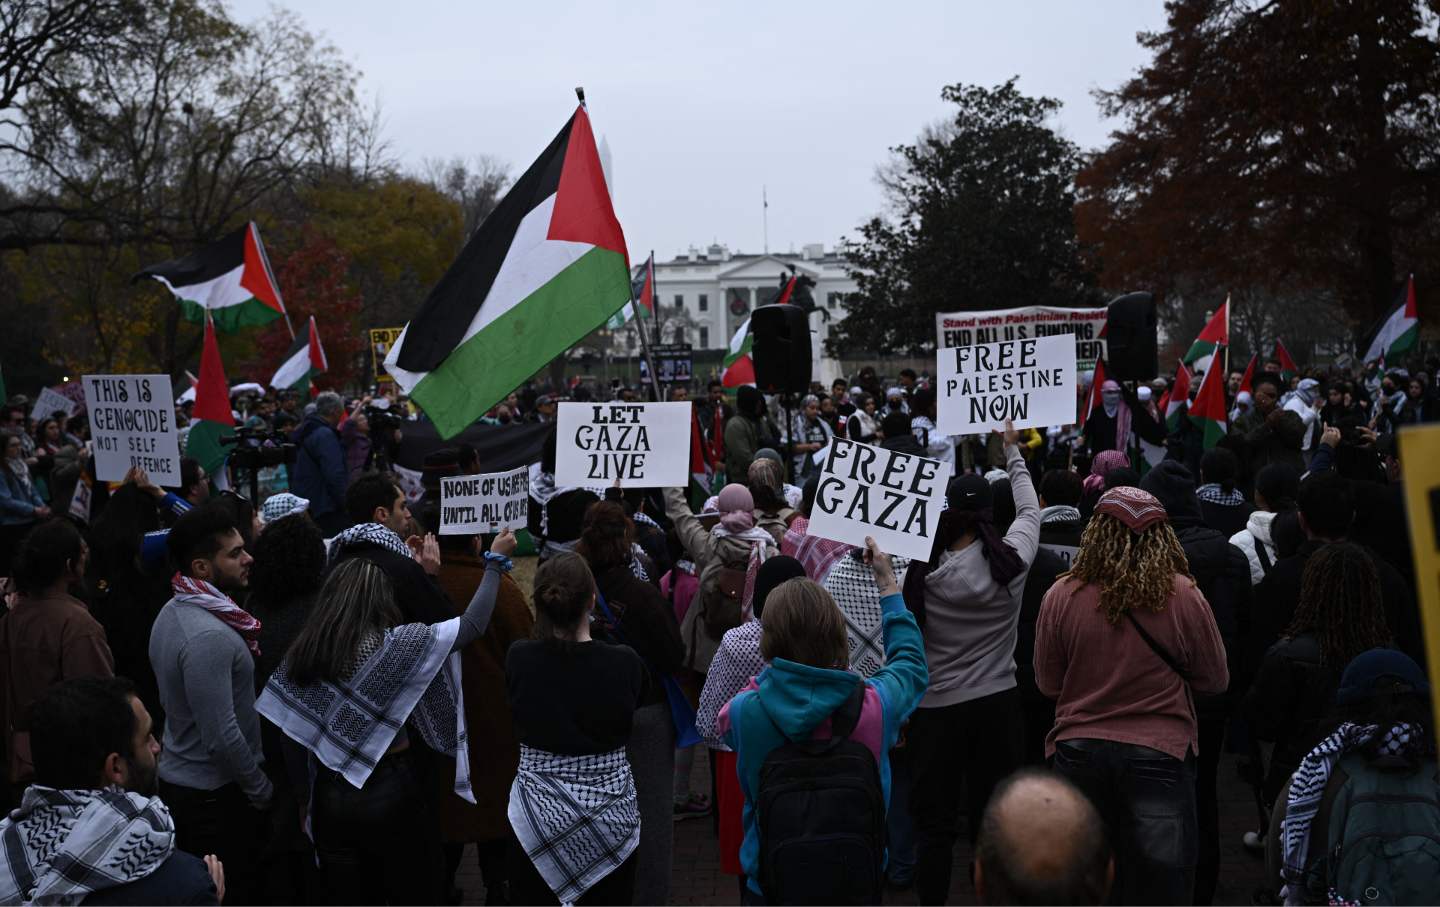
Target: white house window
(704,303)
(704,336)
(679,300)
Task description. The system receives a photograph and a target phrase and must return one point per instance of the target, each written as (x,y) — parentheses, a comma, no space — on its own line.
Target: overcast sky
(703,104)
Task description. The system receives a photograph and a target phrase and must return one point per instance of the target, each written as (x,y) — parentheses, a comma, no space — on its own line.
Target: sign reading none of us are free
(470,505)
(1028,382)
(893,497)
(634,445)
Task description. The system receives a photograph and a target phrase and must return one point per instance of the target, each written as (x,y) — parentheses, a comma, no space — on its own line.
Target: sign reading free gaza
(1030,383)
(893,497)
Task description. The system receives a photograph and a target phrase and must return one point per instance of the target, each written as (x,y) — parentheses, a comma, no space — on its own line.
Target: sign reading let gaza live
(638,445)
(132,422)
(893,497)
(1028,382)
(953,329)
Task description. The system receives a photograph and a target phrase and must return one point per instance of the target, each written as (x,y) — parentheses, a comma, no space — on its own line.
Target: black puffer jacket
(1220,569)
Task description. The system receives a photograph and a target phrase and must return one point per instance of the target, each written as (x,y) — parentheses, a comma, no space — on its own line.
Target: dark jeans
(381,843)
(221,822)
(493,858)
(1147,800)
(527,886)
(965,747)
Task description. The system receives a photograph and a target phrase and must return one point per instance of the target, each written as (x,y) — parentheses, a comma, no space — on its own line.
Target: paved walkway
(697,879)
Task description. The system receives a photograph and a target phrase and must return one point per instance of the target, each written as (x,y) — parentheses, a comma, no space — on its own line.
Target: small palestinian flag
(739,368)
(1208,410)
(211,416)
(1092,399)
(231,279)
(1288,368)
(642,290)
(304,360)
(1216,333)
(1178,399)
(786,292)
(1247,380)
(1399,332)
(547,267)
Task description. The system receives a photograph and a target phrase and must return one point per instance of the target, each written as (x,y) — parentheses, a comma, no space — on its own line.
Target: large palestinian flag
(304,360)
(211,416)
(1216,333)
(1399,332)
(739,367)
(231,279)
(547,267)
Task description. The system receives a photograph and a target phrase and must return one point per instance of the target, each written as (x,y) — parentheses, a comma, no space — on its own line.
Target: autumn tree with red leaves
(313,281)
(1281,148)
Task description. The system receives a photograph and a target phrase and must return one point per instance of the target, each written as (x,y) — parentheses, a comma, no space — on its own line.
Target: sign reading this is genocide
(892,497)
(132,423)
(1086,326)
(1029,382)
(642,445)
(470,505)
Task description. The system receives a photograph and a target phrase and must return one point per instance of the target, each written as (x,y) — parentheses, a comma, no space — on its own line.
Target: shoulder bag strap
(1158,649)
(1264,556)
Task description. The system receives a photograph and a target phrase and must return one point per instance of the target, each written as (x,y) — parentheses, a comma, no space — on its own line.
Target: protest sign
(49,403)
(954,329)
(132,423)
(892,497)
(470,505)
(1029,382)
(80,499)
(643,445)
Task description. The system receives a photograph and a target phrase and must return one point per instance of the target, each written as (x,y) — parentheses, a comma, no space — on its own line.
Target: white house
(704,295)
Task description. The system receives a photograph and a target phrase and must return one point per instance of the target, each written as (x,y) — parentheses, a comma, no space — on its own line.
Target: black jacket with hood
(1220,569)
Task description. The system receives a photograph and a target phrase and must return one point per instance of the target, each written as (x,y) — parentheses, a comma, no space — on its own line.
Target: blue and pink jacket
(793,701)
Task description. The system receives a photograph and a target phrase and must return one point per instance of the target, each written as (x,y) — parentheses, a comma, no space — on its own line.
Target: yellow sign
(380,341)
(1420,464)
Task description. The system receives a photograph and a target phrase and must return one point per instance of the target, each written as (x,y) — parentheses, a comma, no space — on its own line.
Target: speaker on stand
(1131,334)
(780,349)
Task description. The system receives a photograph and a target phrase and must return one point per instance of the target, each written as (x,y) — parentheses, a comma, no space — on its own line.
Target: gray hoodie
(970,620)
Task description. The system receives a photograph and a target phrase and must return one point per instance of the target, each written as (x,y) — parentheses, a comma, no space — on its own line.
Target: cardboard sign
(470,505)
(1030,382)
(643,445)
(1420,462)
(80,499)
(1086,326)
(132,422)
(895,498)
(381,339)
(49,403)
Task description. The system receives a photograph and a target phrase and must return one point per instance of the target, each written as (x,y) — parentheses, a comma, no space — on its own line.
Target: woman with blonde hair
(1122,643)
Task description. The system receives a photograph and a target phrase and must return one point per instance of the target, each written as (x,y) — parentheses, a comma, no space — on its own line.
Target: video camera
(256,449)
(383,422)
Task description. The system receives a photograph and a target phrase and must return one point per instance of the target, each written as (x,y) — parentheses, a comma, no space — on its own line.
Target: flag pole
(634,309)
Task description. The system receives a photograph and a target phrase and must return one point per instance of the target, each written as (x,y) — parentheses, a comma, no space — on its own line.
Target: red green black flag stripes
(304,360)
(230,278)
(547,266)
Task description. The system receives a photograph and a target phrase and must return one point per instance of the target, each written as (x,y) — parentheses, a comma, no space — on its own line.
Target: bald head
(1041,842)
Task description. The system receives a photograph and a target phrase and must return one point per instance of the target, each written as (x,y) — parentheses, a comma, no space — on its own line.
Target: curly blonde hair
(1133,570)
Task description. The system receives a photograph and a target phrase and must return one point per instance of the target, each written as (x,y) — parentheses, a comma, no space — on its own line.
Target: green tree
(981,217)
(1283,147)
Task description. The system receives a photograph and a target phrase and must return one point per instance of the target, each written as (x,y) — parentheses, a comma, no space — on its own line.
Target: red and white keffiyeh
(198,592)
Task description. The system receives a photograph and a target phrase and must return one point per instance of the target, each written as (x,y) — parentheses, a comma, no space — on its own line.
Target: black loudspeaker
(1130,329)
(781,348)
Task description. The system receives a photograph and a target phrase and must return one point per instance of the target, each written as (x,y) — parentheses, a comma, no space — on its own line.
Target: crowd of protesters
(314,697)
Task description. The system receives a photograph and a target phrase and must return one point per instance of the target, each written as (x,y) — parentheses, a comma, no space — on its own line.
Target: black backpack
(821,817)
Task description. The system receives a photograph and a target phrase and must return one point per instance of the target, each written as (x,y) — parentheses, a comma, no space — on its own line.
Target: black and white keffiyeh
(371,533)
(1212,493)
(852,584)
(576,817)
(1307,787)
(348,726)
(1059,513)
(61,845)
(735,662)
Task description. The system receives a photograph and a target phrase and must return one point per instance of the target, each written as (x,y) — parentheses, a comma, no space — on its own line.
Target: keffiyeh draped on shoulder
(413,675)
(62,845)
(369,533)
(576,817)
